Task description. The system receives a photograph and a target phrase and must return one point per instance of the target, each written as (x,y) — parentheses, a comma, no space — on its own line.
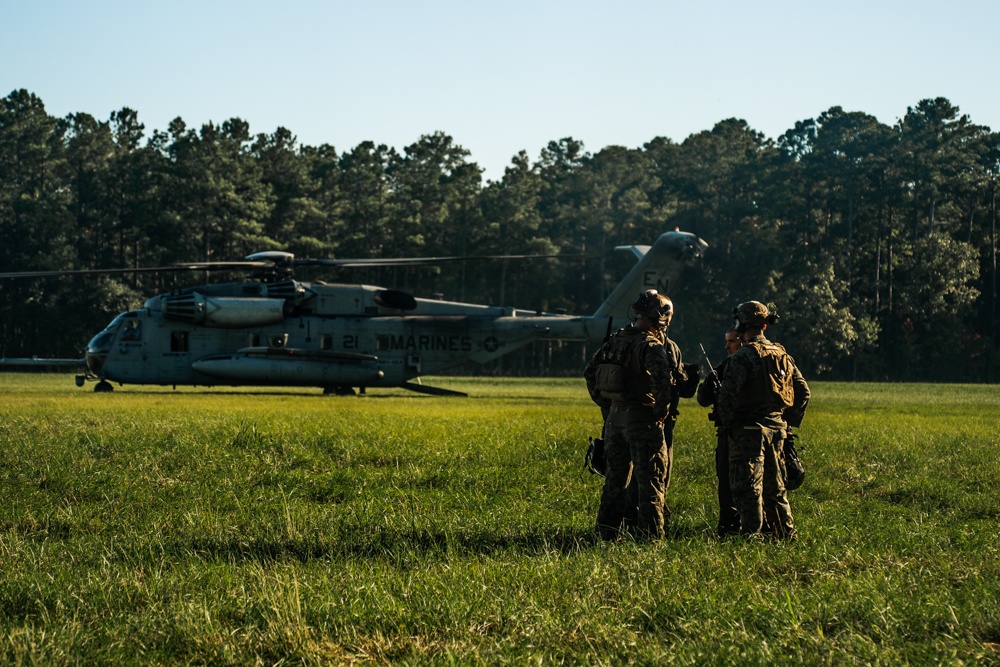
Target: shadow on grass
(304,392)
(392,545)
(402,547)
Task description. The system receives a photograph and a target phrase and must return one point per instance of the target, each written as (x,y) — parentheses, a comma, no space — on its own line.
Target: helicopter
(281,332)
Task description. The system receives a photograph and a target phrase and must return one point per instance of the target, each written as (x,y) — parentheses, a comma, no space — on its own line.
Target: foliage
(152,526)
(877,241)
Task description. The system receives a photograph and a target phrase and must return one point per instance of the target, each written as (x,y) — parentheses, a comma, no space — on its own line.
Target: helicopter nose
(95,362)
(97,351)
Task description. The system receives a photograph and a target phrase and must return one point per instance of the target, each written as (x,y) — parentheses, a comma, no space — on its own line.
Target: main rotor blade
(194,266)
(415,261)
(279,263)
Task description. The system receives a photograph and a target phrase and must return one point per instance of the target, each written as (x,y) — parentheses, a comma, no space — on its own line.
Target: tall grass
(285,527)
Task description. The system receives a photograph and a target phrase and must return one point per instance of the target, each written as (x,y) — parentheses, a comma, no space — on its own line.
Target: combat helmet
(753,314)
(654,306)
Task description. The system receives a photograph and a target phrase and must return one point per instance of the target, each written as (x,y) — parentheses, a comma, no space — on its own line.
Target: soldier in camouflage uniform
(762,389)
(708,394)
(637,378)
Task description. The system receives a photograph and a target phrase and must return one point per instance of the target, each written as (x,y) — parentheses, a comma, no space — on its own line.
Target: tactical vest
(771,386)
(620,376)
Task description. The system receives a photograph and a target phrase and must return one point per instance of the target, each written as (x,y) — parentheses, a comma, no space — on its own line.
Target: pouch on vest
(610,377)
(610,381)
(778,370)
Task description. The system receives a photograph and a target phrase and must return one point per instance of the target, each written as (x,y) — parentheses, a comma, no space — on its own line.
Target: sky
(500,77)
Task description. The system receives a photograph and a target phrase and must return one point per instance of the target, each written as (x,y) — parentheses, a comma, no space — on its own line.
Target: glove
(689,386)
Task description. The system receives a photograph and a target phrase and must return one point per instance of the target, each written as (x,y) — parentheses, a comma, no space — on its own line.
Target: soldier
(761,388)
(637,378)
(708,394)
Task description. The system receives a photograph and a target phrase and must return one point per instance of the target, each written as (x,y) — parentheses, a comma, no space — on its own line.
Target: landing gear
(103,387)
(339,390)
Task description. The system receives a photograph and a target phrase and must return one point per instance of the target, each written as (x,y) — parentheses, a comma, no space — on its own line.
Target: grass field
(153,526)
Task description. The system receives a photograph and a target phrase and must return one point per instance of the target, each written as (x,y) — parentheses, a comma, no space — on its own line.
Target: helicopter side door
(175,349)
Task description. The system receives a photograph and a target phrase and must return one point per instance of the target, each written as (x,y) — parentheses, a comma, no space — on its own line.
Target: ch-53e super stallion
(338,337)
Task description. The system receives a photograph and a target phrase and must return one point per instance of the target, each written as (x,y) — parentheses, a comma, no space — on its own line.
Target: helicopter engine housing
(223,312)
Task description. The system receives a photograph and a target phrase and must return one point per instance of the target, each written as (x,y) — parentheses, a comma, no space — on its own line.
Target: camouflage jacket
(742,401)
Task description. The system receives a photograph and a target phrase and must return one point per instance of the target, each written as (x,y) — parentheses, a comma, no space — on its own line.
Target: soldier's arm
(590,375)
(708,391)
(677,364)
(657,364)
(793,415)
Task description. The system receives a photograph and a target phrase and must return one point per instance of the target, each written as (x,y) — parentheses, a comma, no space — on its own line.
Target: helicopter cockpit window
(101,343)
(132,331)
(178,341)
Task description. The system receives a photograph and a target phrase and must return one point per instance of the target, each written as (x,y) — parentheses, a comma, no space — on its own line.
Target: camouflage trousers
(639,458)
(756,477)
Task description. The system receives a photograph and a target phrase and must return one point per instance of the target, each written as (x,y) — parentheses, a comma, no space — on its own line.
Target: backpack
(610,375)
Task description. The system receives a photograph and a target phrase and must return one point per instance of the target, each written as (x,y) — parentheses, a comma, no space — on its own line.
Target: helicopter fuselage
(314,334)
(338,337)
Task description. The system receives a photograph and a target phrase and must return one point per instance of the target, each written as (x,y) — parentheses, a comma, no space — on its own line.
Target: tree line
(876,242)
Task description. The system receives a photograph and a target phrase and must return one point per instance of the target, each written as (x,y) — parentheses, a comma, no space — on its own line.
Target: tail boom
(659,268)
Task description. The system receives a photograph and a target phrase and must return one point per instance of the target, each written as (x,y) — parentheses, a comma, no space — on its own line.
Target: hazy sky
(504,76)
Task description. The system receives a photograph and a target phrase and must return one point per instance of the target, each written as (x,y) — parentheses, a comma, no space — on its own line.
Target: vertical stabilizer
(659,267)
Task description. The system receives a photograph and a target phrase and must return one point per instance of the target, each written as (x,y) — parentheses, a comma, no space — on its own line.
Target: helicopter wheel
(340,390)
(103,387)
